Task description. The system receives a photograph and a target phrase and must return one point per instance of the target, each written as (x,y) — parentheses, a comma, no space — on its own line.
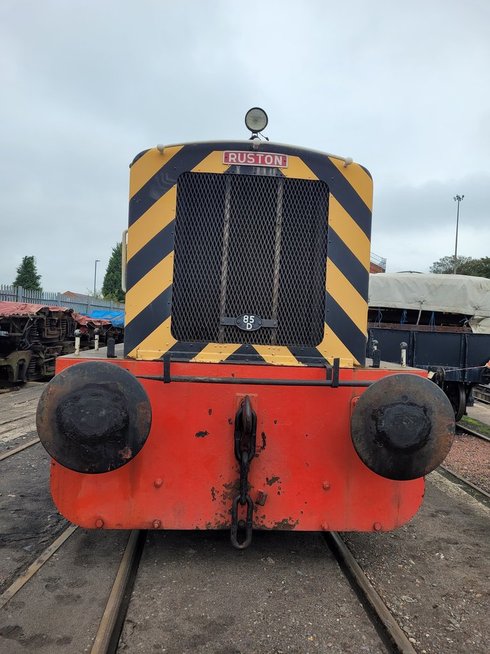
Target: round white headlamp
(256,119)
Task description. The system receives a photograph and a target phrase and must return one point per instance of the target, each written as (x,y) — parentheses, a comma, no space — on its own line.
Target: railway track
(107,634)
(111,619)
(18,415)
(469,487)
(482,393)
(462,428)
(35,566)
(16,450)
(385,620)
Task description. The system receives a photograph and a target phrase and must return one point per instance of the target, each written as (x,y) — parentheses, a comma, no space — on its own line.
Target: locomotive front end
(243,400)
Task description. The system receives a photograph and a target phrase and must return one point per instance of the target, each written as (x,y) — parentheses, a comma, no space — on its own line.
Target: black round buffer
(403,426)
(93,417)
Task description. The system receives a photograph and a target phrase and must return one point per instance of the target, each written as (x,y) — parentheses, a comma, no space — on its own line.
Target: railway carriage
(243,399)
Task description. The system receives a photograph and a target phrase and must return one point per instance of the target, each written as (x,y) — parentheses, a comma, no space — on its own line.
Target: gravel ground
(18,416)
(434,572)
(480,411)
(29,521)
(284,595)
(470,458)
(59,609)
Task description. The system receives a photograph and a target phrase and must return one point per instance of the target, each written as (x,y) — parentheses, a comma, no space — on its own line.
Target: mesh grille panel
(249,244)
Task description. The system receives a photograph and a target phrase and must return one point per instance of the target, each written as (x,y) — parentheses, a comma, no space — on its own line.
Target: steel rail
(466,485)
(482,394)
(391,630)
(16,450)
(22,580)
(472,432)
(110,626)
(25,415)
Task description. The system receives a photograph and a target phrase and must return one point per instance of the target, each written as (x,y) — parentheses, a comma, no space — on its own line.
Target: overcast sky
(402,87)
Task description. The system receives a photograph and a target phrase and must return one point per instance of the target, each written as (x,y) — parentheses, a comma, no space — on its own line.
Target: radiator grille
(249,244)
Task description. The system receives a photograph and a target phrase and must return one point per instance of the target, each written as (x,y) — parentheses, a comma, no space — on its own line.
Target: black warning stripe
(343,191)
(150,254)
(245,354)
(186,350)
(138,156)
(147,320)
(163,180)
(345,329)
(366,171)
(236,169)
(347,263)
(307,355)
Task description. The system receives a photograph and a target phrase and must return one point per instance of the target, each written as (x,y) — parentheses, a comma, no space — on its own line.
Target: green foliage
(27,275)
(111,288)
(465,266)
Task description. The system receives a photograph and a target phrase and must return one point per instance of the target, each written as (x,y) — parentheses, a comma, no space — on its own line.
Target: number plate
(249,322)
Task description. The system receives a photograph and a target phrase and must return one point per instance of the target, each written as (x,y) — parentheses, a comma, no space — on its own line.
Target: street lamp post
(95,276)
(458,199)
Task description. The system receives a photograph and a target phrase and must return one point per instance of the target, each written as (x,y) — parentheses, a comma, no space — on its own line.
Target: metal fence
(80,303)
(378,261)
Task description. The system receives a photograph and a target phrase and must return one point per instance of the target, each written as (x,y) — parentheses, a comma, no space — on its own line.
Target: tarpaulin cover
(24,310)
(461,294)
(85,321)
(115,316)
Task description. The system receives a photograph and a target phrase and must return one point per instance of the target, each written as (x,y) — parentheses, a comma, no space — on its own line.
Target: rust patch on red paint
(270,481)
(286,523)
(126,453)
(230,490)
(201,434)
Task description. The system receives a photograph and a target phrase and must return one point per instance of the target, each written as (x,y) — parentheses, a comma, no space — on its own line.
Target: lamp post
(458,199)
(95,276)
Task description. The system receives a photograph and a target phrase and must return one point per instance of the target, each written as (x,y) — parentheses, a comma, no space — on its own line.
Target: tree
(465,266)
(111,288)
(480,267)
(27,275)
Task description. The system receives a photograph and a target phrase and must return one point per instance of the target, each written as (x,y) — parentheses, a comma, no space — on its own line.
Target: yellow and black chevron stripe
(152,210)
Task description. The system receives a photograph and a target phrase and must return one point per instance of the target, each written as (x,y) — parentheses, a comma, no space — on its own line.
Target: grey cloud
(401,88)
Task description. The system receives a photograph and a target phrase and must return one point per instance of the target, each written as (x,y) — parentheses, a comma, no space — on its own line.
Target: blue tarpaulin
(116,316)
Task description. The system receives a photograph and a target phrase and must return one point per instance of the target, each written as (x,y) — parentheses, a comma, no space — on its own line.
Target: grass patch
(475,424)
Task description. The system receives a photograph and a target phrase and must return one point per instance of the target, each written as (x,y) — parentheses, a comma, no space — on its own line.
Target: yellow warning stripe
(158,216)
(332,347)
(277,354)
(342,291)
(358,179)
(216,352)
(298,169)
(349,232)
(213,163)
(149,287)
(148,165)
(154,283)
(146,350)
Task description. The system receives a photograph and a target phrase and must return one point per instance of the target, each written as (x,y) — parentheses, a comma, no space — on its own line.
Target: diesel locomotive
(243,399)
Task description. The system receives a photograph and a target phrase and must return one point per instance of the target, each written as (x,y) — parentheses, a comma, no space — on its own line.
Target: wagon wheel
(457,394)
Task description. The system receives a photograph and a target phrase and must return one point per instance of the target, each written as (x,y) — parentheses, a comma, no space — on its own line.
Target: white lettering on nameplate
(269,159)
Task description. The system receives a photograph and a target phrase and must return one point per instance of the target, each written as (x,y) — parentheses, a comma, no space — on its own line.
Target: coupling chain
(245,436)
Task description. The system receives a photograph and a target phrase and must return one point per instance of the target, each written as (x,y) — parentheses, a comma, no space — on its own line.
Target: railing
(378,261)
(80,303)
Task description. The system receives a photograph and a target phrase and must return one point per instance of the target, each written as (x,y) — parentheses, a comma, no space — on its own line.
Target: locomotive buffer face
(243,400)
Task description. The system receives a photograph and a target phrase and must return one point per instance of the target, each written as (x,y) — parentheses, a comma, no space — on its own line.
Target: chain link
(245,435)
